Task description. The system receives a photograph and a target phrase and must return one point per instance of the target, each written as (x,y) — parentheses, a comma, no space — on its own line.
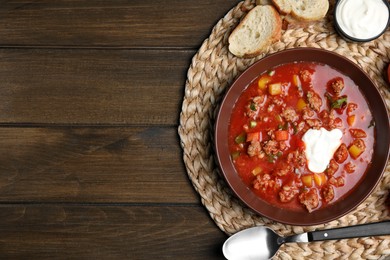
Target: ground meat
(327,193)
(307,113)
(309,199)
(264,183)
(271,134)
(305,75)
(335,123)
(290,115)
(282,145)
(252,108)
(278,101)
(315,101)
(296,158)
(271,147)
(357,133)
(270,108)
(288,192)
(302,126)
(349,167)
(341,154)
(328,118)
(283,170)
(332,168)
(351,107)
(259,100)
(254,149)
(337,181)
(314,123)
(337,85)
(325,116)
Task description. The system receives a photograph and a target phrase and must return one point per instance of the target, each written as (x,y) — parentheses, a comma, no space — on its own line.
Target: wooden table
(90,159)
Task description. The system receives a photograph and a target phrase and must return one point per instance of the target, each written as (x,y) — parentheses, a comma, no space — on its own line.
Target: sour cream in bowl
(361,20)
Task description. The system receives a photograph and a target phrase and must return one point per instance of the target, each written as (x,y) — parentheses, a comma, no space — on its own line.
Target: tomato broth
(270,119)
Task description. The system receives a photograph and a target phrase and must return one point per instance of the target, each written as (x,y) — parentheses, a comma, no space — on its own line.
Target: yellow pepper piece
(307,180)
(301,104)
(257,170)
(297,81)
(275,89)
(319,179)
(351,120)
(263,81)
(355,151)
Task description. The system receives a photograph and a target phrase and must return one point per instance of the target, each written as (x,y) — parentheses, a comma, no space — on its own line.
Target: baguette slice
(283,6)
(310,10)
(303,10)
(257,30)
(263,2)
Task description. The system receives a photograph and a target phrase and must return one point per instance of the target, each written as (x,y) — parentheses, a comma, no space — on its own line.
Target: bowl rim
(354,39)
(342,206)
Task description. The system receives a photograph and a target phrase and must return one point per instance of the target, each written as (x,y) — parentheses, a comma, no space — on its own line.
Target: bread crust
(303,10)
(283,6)
(263,25)
(275,27)
(313,10)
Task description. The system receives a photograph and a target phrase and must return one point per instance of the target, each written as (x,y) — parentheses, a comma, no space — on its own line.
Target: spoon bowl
(261,242)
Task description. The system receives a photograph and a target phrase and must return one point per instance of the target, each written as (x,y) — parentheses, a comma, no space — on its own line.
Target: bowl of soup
(302,136)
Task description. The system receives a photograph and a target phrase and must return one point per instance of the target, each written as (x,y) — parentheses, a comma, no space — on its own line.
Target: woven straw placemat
(211,72)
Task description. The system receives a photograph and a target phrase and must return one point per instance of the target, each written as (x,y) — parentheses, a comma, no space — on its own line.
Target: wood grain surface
(90,160)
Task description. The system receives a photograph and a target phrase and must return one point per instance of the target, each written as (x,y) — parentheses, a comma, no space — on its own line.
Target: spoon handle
(364,230)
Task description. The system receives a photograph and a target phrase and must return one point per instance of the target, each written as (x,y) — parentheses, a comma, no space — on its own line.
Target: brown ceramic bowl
(381,147)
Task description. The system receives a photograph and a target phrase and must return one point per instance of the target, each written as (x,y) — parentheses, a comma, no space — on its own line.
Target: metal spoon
(261,242)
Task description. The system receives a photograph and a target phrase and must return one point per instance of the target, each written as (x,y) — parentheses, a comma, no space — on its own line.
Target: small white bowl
(344,26)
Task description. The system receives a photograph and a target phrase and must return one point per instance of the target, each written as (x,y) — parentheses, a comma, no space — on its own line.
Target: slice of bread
(303,10)
(283,6)
(310,10)
(263,2)
(257,30)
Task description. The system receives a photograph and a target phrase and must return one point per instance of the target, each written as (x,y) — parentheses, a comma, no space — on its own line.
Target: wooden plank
(109,232)
(137,23)
(92,86)
(93,164)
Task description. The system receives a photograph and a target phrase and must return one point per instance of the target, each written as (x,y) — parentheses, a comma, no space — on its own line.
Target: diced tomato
(351,107)
(255,136)
(301,144)
(281,135)
(357,133)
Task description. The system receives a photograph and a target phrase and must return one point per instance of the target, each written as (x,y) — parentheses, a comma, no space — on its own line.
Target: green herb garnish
(240,138)
(337,103)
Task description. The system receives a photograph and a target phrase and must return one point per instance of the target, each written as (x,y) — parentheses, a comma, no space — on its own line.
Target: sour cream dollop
(320,145)
(362,19)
